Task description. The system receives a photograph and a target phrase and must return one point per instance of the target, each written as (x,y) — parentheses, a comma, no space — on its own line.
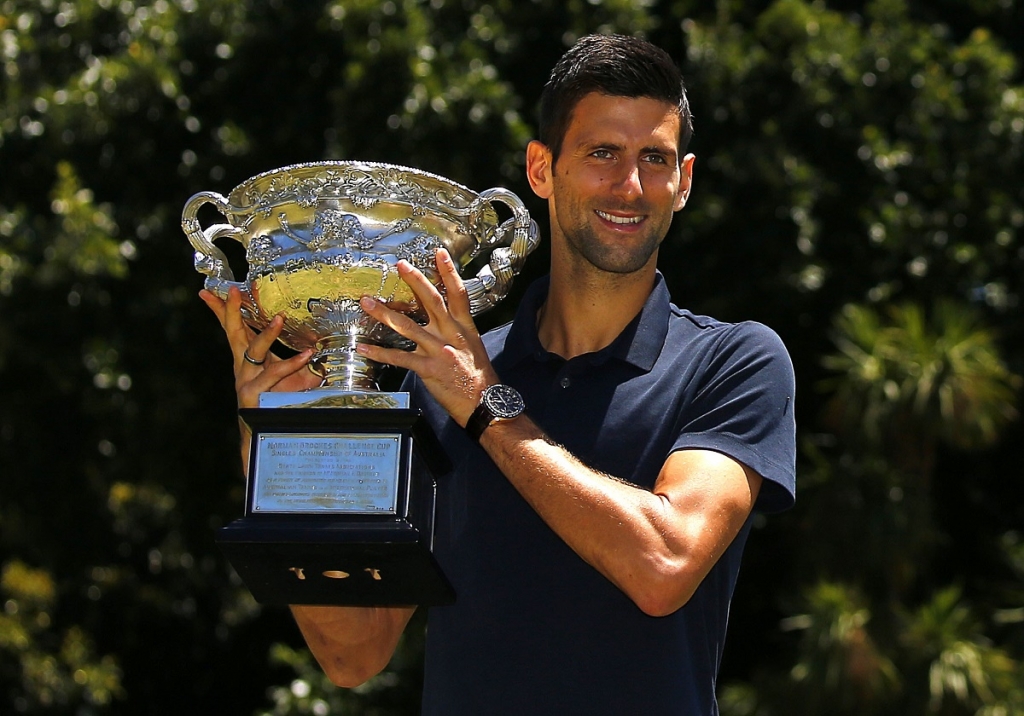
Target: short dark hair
(614,65)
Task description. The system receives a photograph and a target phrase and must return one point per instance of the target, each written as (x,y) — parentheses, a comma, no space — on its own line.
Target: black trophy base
(294,545)
(292,560)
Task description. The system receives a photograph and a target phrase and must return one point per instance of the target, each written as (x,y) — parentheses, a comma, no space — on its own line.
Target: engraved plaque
(345,473)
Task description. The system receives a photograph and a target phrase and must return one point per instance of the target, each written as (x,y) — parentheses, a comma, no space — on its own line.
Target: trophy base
(288,560)
(339,508)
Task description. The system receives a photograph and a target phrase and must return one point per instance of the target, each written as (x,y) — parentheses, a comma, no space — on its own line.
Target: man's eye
(655,159)
(601,154)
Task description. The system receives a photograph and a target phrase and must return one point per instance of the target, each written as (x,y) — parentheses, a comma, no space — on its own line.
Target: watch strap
(478,421)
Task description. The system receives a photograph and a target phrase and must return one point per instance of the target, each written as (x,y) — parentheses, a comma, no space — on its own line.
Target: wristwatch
(497,402)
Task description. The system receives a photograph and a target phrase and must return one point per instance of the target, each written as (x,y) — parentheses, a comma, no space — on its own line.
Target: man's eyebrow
(654,149)
(589,145)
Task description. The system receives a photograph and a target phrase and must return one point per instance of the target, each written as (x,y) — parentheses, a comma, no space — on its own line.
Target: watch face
(503,401)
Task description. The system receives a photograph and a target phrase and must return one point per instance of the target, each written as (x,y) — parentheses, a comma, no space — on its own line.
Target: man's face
(616,183)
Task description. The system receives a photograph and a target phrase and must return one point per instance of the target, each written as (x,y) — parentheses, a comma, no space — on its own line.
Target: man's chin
(622,264)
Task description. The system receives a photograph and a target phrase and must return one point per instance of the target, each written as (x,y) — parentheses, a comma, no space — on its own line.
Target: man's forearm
(245,445)
(656,546)
(352,644)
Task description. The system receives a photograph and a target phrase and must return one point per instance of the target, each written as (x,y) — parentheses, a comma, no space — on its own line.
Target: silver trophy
(340,490)
(319,236)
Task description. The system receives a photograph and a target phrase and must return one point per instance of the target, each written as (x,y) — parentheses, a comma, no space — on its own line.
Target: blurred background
(858,187)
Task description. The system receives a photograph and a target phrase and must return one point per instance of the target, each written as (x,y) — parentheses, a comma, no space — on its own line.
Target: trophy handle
(492,282)
(211,261)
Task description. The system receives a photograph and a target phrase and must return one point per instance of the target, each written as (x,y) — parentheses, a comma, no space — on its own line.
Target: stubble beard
(625,257)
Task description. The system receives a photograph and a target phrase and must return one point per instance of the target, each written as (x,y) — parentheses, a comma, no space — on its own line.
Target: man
(593,540)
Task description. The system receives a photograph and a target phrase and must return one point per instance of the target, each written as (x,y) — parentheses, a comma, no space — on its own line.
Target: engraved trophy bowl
(341,485)
(319,236)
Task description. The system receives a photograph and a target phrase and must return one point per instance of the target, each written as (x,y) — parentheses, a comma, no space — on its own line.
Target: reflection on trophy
(341,485)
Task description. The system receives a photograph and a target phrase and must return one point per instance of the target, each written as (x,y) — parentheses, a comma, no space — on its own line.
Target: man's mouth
(619,219)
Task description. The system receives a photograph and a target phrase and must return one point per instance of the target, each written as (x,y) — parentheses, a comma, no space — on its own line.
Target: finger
(390,356)
(455,289)
(268,377)
(238,332)
(228,313)
(274,373)
(399,323)
(215,304)
(258,348)
(426,293)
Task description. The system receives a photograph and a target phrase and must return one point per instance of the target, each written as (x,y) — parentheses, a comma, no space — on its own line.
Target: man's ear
(540,169)
(685,181)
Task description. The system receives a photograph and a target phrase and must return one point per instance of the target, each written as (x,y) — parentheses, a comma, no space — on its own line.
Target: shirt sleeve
(744,408)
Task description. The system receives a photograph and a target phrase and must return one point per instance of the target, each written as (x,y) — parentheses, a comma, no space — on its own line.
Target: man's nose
(628,184)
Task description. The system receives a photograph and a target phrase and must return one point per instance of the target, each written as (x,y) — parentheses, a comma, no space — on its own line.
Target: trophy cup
(341,484)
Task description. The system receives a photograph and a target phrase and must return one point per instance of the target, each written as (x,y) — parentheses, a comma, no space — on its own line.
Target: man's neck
(583,314)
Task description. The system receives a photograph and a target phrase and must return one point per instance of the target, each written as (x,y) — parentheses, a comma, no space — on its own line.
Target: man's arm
(351,644)
(657,546)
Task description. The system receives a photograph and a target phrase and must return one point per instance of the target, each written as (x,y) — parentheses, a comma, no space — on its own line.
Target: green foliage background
(858,188)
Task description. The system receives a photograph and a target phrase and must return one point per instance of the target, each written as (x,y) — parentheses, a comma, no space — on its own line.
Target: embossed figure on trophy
(261,253)
(419,251)
(331,228)
(335,316)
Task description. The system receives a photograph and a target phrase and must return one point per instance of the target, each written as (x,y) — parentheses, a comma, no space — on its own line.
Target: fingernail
(367,303)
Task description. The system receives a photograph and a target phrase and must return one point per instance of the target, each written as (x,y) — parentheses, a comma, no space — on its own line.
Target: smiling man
(609,447)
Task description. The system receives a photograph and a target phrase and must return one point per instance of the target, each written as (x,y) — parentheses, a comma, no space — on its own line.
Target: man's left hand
(449,358)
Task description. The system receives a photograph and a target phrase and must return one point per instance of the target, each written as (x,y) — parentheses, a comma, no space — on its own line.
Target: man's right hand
(264,371)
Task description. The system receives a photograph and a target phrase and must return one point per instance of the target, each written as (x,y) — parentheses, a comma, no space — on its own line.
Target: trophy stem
(337,362)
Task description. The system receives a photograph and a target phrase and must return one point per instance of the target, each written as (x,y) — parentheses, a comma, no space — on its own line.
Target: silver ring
(252,361)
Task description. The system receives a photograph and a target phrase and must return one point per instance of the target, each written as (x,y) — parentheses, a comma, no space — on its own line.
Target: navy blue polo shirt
(535,629)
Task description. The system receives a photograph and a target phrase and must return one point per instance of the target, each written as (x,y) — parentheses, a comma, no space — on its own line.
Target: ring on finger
(252,361)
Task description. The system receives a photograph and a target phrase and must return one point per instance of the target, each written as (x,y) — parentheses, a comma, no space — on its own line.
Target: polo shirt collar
(639,344)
